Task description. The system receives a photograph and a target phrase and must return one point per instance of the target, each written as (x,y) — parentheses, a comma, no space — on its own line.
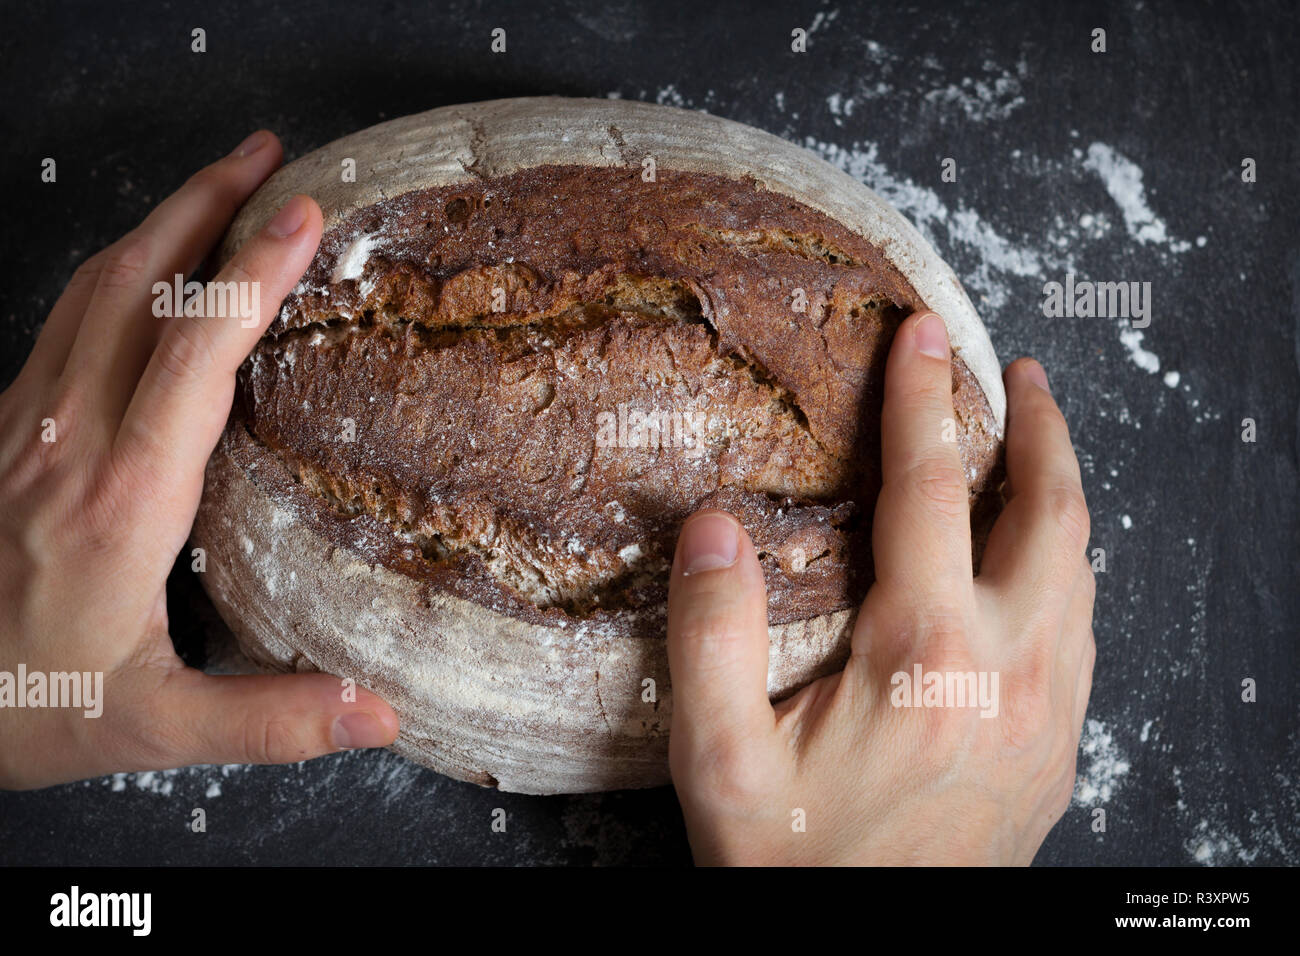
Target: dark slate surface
(1111,166)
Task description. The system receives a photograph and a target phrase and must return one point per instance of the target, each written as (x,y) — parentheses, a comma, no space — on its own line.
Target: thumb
(717,641)
(269,718)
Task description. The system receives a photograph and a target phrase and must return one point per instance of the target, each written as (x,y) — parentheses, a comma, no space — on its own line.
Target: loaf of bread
(537,335)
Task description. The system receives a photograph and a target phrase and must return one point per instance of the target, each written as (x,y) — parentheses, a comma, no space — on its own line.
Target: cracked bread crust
(492,329)
(473,333)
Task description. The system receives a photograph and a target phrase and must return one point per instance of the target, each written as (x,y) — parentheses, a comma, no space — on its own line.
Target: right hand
(876,783)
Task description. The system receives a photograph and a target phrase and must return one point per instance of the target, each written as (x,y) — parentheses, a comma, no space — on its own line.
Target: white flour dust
(186,781)
(1131,339)
(994,254)
(1123,180)
(992,97)
(1102,767)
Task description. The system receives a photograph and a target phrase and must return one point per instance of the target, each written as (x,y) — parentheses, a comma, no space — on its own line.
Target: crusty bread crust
(538,705)
(458,144)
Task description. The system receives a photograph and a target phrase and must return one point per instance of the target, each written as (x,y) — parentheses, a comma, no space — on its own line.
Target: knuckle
(1027,705)
(1069,508)
(274,740)
(127,262)
(1072,513)
(237,270)
(946,493)
(731,775)
(87,274)
(940,483)
(1033,665)
(944,650)
(711,641)
(33,455)
(927,392)
(185,352)
(215,182)
(207,178)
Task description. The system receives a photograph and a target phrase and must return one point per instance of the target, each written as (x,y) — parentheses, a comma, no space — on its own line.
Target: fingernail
(709,542)
(1036,374)
(289,219)
(931,337)
(251,145)
(359,730)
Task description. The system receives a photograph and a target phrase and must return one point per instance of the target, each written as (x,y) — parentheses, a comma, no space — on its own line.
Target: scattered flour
(1123,180)
(1220,837)
(820,19)
(182,781)
(1104,766)
(840,107)
(1211,847)
(991,264)
(670,96)
(992,98)
(993,253)
(1131,339)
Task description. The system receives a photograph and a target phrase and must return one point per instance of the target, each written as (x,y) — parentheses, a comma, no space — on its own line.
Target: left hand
(94,518)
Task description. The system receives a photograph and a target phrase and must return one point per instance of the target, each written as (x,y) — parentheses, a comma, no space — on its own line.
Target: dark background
(1200,529)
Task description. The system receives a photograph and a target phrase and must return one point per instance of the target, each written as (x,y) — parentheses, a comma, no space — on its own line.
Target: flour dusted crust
(514,661)
(459,144)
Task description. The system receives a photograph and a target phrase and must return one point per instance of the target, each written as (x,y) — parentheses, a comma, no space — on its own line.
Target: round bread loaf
(538,334)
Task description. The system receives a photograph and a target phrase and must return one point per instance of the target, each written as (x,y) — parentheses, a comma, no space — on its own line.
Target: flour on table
(1102,766)
(1123,180)
(1131,339)
(992,97)
(182,782)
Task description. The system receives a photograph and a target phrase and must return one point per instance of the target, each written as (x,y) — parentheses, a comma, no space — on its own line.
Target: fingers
(1038,539)
(183,398)
(50,353)
(119,330)
(717,639)
(266,718)
(921,536)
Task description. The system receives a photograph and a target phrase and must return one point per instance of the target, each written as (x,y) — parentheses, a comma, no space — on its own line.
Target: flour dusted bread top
(497,340)
(452,394)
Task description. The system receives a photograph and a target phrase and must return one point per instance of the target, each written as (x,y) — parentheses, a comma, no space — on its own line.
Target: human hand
(878,783)
(103,440)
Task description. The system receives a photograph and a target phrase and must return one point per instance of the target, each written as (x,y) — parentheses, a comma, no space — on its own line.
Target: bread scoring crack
(781,241)
(527,368)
